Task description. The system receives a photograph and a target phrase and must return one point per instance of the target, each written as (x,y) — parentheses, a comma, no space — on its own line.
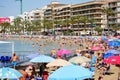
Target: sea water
(24,48)
(30,47)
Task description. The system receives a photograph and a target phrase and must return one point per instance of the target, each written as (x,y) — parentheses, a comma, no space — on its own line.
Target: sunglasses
(30,69)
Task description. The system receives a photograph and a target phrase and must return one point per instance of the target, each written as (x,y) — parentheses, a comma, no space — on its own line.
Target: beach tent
(6,42)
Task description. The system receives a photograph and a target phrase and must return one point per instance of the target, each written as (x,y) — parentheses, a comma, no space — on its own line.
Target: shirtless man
(14,60)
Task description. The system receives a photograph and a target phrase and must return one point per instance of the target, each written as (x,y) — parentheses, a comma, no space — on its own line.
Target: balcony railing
(86,9)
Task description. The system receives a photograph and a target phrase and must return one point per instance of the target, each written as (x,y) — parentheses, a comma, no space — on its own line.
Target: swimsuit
(14,63)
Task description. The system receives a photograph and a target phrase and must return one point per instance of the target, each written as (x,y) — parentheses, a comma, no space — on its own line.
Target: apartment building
(51,11)
(37,14)
(114,18)
(90,10)
(93,9)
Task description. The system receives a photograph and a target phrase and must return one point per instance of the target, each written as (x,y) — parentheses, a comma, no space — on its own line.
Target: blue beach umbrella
(113,51)
(113,43)
(104,38)
(31,56)
(9,73)
(118,40)
(108,55)
(71,72)
(42,59)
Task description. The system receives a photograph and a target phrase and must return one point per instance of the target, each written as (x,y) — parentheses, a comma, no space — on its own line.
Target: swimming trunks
(14,63)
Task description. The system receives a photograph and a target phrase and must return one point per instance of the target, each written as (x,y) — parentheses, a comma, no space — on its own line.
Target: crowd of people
(84,49)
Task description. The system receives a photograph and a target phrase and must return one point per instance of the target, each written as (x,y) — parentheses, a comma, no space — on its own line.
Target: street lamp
(20,6)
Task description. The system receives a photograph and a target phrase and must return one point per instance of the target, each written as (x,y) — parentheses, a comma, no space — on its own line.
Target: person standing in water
(14,60)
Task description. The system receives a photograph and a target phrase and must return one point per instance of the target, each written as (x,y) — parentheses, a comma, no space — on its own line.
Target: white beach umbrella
(79,59)
(58,62)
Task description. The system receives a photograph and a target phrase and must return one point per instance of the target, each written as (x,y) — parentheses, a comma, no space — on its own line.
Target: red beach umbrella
(95,48)
(112,60)
(64,51)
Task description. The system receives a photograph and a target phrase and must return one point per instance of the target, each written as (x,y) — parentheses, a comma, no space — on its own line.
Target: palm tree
(107,11)
(29,29)
(26,24)
(4,26)
(11,29)
(98,29)
(44,21)
(49,25)
(77,19)
(18,24)
(36,26)
(115,27)
(84,20)
(72,21)
(91,21)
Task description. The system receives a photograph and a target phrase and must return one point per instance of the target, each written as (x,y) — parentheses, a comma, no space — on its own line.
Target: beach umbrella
(58,62)
(118,40)
(42,59)
(9,73)
(107,55)
(79,60)
(64,51)
(113,51)
(71,72)
(112,60)
(31,56)
(117,36)
(95,48)
(104,38)
(113,43)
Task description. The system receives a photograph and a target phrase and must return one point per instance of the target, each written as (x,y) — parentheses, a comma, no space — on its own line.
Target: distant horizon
(12,7)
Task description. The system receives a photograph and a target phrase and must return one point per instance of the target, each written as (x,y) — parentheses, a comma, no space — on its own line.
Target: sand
(114,70)
(113,74)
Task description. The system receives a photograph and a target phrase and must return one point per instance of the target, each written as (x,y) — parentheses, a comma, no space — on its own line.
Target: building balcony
(112,16)
(95,8)
(112,22)
(112,6)
(99,17)
(65,11)
(93,13)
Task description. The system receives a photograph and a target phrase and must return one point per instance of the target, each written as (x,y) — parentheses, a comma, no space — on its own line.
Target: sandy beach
(113,72)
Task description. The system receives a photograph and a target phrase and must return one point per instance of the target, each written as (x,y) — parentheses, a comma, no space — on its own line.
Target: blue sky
(12,7)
